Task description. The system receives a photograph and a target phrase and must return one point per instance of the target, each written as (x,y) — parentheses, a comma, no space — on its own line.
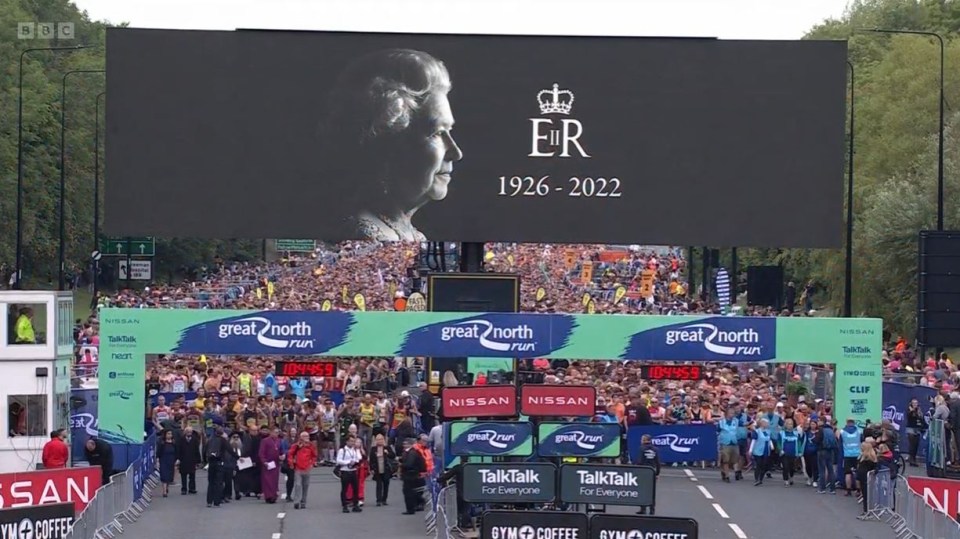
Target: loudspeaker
(938,298)
(468,293)
(765,286)
(473,292)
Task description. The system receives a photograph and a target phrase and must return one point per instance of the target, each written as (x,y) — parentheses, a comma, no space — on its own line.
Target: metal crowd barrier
(893,501)
(917,520)
(118,502)
(880,495)
(447,513)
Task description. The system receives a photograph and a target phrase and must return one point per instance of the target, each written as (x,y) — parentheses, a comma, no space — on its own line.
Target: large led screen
(251,134)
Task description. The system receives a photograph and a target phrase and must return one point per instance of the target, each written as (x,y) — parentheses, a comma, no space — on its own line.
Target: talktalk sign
(557,401)
(479,401)
(41,487)
(940,494)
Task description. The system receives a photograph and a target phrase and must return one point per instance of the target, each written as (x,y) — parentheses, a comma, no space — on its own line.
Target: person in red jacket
(302,458)
(56,454)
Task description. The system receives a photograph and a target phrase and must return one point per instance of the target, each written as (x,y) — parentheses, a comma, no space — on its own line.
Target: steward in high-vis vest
(850,438)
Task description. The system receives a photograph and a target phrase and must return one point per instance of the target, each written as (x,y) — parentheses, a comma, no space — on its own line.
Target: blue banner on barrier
(144,465)
(896,398)
(676,443)
(83,420)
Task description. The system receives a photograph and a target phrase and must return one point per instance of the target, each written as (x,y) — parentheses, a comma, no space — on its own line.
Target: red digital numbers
(295,369)
(671,372)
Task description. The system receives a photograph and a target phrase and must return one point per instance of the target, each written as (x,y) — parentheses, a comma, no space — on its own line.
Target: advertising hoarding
(510,482)
(557,400)
(645,527)
(51,521)
(557,139)
(41,487)
(478,401)
(533,525)
(676,443)
(491,438)
(581,440)
(608,484)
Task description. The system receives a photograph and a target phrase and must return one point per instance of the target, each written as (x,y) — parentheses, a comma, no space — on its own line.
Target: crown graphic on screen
(555,101)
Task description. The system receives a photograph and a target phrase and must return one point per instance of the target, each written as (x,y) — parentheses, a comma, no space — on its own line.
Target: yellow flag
(618,295)
(269,289)
(360,302)
(203,358)
(326,305)
(488,256)
(591,307)
(586,299)
(259,293)
(345,294)
(510,260)
(541,293)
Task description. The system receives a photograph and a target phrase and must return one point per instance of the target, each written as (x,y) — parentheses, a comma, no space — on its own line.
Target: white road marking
(705,492)
(737,531)
(281,515)
(688,472)
(720,510)
(275,536)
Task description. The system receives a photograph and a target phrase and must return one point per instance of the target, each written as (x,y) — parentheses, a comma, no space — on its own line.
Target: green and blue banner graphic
(578,440)
(491,438)
(127,335)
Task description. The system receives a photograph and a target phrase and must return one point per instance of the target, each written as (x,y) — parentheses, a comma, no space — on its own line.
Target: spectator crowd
(379,410)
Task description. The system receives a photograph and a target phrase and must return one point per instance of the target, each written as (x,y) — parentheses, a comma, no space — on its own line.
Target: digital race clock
(672,372)
(294,369)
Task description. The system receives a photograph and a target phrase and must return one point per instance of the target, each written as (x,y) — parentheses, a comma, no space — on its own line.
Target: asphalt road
(249,518)
(736,510)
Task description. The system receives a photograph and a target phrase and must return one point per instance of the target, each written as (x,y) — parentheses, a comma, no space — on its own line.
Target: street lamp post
(19,261)
(96,197)
(848,269)
(63,170)
(940,137)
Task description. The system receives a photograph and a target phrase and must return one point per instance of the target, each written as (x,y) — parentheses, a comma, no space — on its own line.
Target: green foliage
(897,90)
(797,389)
(42,83)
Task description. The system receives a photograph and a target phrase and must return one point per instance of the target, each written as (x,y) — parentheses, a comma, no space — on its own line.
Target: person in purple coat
(270,466)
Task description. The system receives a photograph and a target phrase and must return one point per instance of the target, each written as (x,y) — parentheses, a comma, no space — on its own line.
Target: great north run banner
(127,335)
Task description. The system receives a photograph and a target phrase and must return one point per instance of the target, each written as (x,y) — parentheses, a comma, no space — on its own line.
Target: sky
(725,19)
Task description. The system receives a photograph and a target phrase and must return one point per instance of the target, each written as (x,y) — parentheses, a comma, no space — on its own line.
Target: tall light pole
(18,276)
(848,269)
(63,171)
(96,198)
(940,139)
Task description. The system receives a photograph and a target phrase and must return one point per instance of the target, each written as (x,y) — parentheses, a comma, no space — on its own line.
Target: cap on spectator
(404,393)
(779,405)
(850,421)
(802,399)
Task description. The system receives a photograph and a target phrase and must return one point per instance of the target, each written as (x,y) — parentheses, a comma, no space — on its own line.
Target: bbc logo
(45,30)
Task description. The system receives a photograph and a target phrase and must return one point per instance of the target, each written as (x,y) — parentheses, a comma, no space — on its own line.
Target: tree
(42,83)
